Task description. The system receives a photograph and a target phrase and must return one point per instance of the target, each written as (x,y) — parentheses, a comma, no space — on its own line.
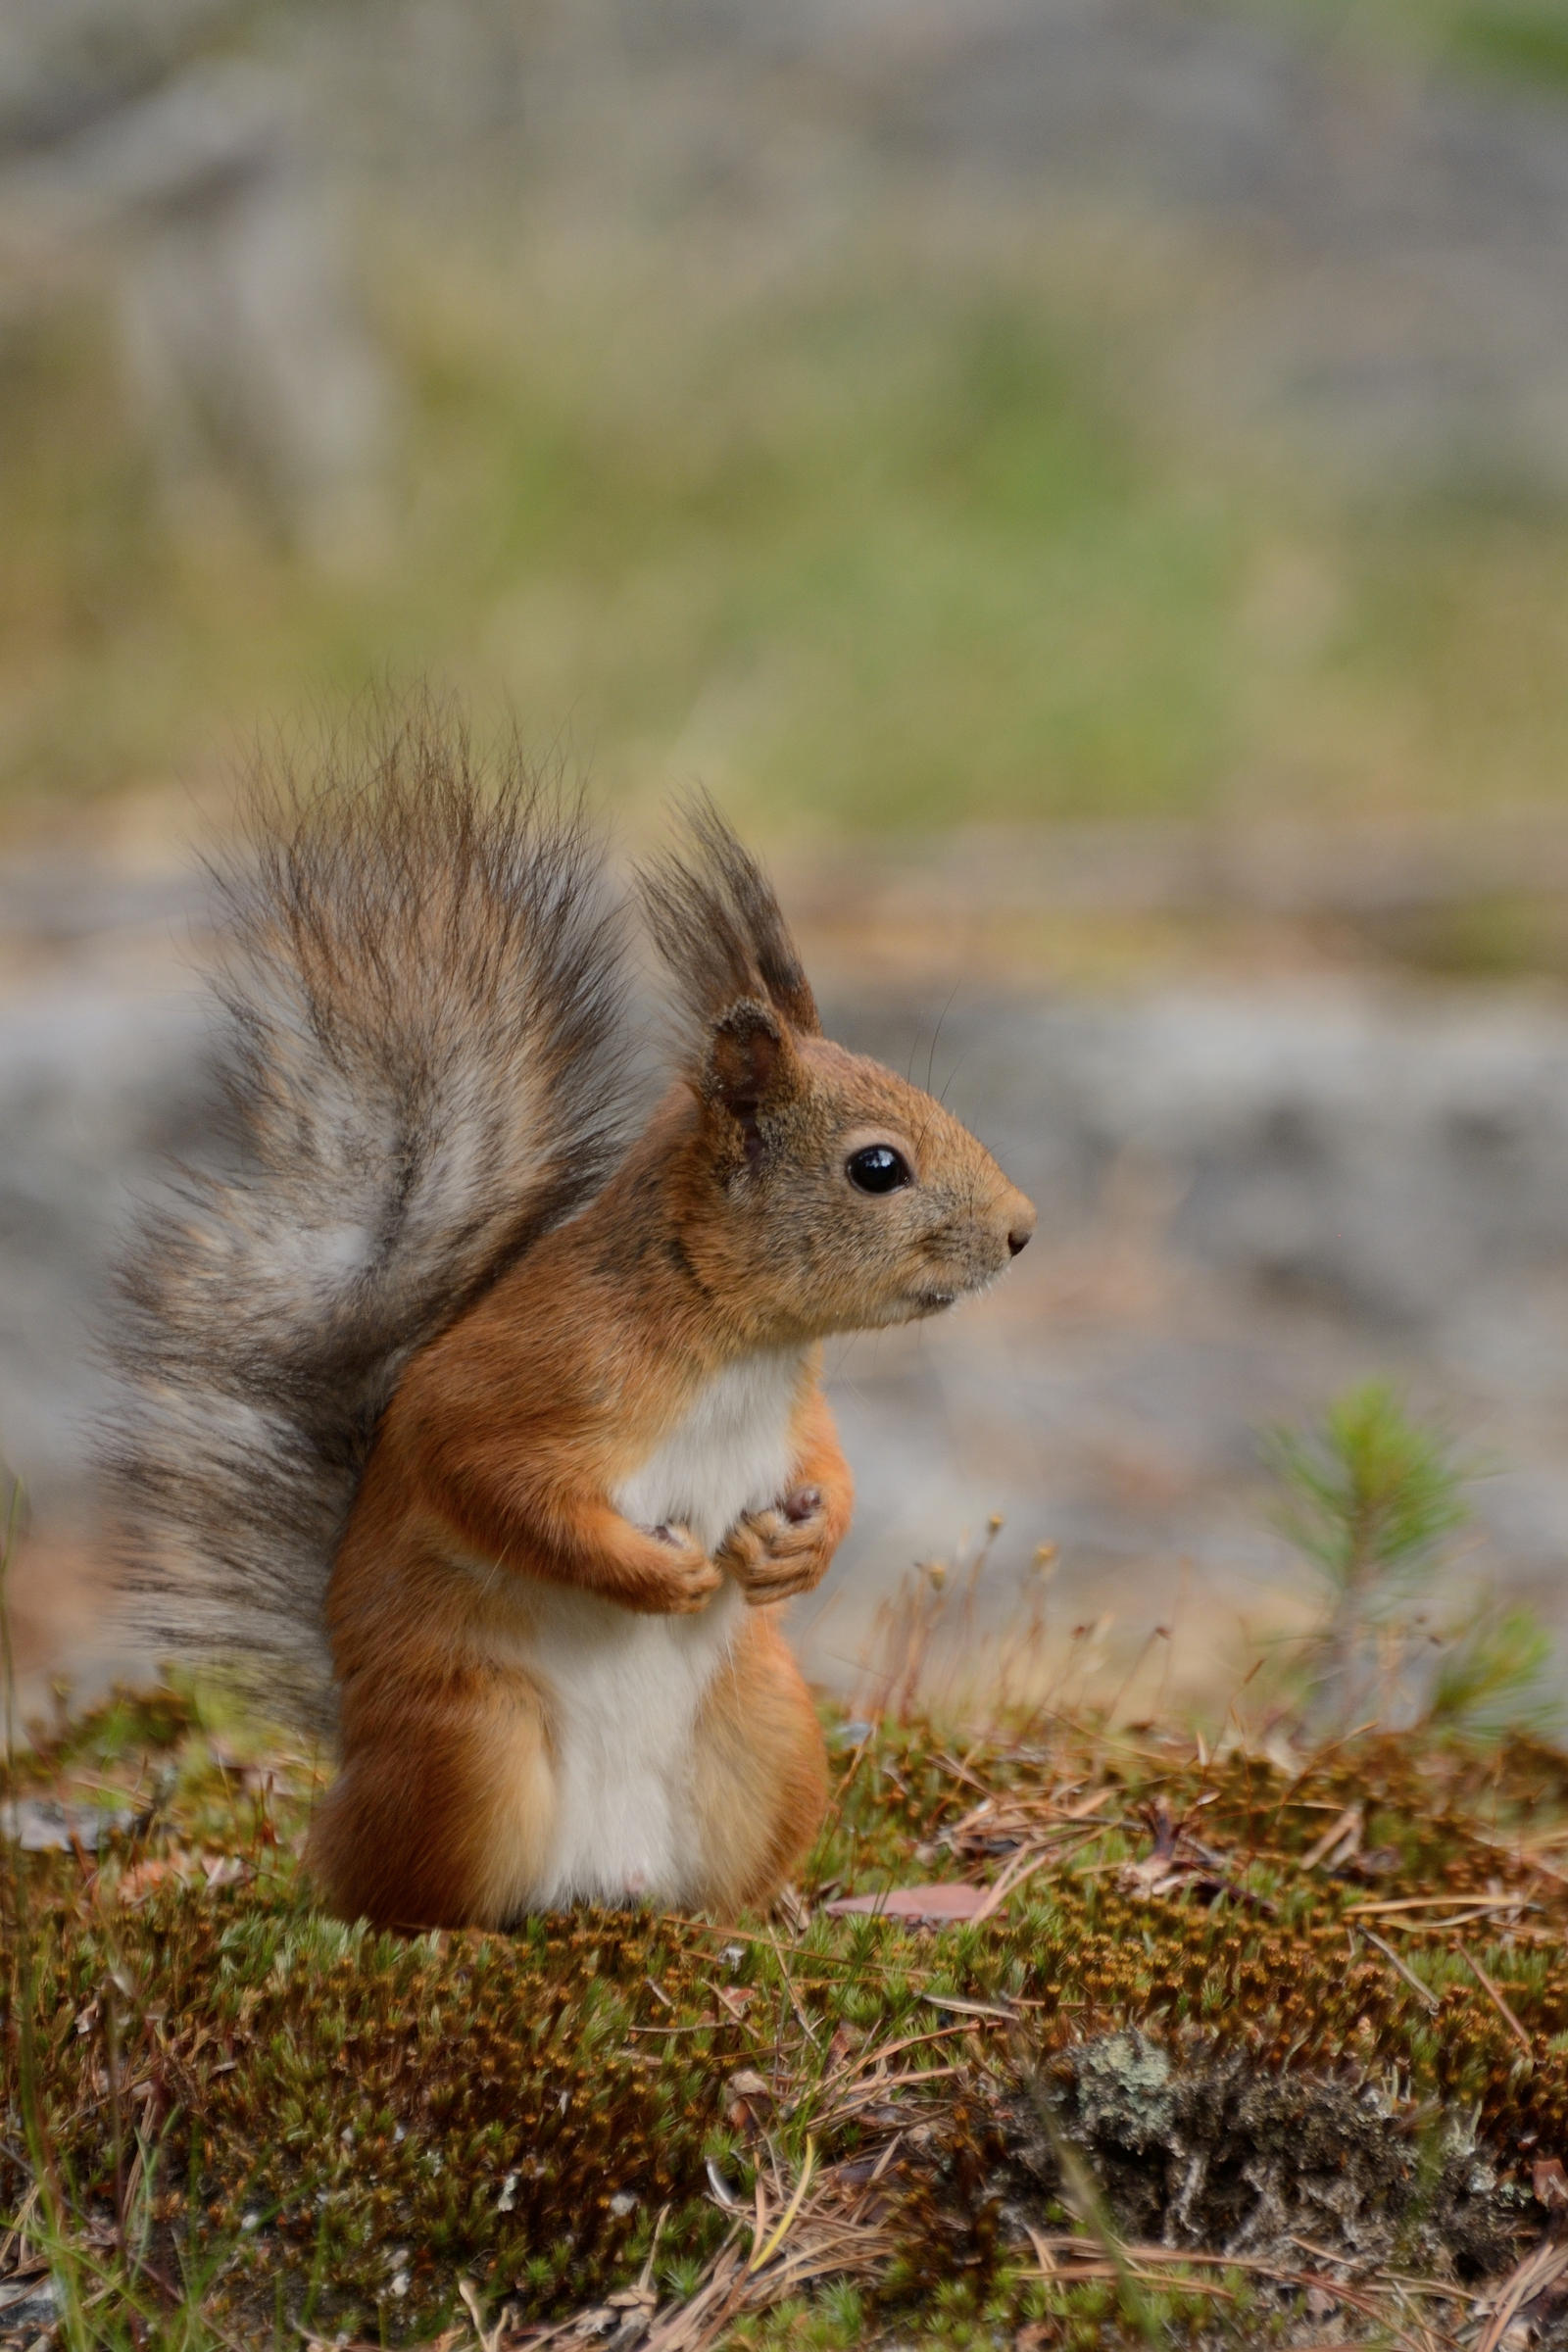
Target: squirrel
(486,1435)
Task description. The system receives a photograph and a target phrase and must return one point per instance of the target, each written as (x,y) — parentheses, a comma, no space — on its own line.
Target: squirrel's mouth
(932,1302)
(941,1295)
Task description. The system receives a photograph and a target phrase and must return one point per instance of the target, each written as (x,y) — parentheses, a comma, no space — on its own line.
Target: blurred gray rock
(97,1086)
(1394,1159)
(43,1825)
(1248,1200)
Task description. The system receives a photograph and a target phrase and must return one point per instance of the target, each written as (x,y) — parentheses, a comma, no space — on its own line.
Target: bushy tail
(422,1059)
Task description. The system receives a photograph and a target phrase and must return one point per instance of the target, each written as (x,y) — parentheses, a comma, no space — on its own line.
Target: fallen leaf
(183,1867)
(142,1876)
(1550,2183)
(944,1901)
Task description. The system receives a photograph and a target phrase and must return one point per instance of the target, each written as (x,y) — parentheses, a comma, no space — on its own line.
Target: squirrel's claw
(773,1554)
(687,1578)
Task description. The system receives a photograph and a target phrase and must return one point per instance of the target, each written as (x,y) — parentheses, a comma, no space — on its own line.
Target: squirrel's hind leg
(444,1810)
(760,1771)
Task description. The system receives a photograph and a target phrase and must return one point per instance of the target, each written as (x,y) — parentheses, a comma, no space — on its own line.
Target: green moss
(340,2125)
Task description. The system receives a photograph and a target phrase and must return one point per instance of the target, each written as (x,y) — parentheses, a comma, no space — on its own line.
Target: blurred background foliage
(1526,43)
(696,418)
(1084,481)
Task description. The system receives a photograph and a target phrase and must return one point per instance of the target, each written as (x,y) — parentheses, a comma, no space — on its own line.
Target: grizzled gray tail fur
(422,1055)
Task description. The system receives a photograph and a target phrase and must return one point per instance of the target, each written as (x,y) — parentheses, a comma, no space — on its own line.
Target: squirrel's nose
(1018,1239)
(1020,1226)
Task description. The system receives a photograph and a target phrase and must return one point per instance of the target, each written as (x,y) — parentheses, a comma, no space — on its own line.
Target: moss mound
(1237,2034)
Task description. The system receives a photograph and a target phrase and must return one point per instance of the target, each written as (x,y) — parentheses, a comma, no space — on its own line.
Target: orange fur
(509,1737)
(490,1482)
(523,1412)
(759,1769)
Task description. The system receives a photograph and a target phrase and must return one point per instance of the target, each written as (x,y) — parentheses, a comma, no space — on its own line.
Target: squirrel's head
(818,1192)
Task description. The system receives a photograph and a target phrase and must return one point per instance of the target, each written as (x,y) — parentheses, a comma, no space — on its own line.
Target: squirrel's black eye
(878,1169)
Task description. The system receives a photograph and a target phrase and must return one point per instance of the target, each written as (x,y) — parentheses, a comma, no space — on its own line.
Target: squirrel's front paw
(687,1578)
(773,1554)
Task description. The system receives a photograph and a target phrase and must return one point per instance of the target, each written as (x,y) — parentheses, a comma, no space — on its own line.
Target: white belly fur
(626,1689)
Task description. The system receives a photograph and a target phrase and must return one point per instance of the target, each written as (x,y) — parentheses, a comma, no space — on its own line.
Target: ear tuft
(716,923)
(751,1066)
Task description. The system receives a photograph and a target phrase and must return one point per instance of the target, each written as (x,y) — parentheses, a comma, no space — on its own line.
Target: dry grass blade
(704,2316)
(1346,1833)
(989,2010)
(1524,1854)
(1495,1996)
(1026,1820)
(829,2250)
(801,2017)
(1423,1992)
(763,2250)
(1088,2258)
(16,2235)
(880,2090)
(489,2337)
(843,2075)
(1012,1878)
(1436,1902)
(824,2231)
(1534,2274)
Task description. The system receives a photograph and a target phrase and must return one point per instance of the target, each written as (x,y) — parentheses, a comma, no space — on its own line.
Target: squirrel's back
(422,1061)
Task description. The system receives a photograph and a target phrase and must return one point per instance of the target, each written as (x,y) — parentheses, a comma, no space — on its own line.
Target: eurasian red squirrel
(489,1434)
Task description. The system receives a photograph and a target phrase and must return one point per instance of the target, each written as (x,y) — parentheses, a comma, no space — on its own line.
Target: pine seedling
(1495,1675)
(1371,1500)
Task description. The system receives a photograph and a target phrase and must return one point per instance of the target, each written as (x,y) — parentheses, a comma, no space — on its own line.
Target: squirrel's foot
(773,1554)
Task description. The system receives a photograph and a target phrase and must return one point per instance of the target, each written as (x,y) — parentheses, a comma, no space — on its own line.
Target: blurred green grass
(871,536)
(1520,41)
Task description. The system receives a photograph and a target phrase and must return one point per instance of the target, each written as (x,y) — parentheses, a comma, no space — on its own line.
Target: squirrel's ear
(752,1066)
(716,923)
